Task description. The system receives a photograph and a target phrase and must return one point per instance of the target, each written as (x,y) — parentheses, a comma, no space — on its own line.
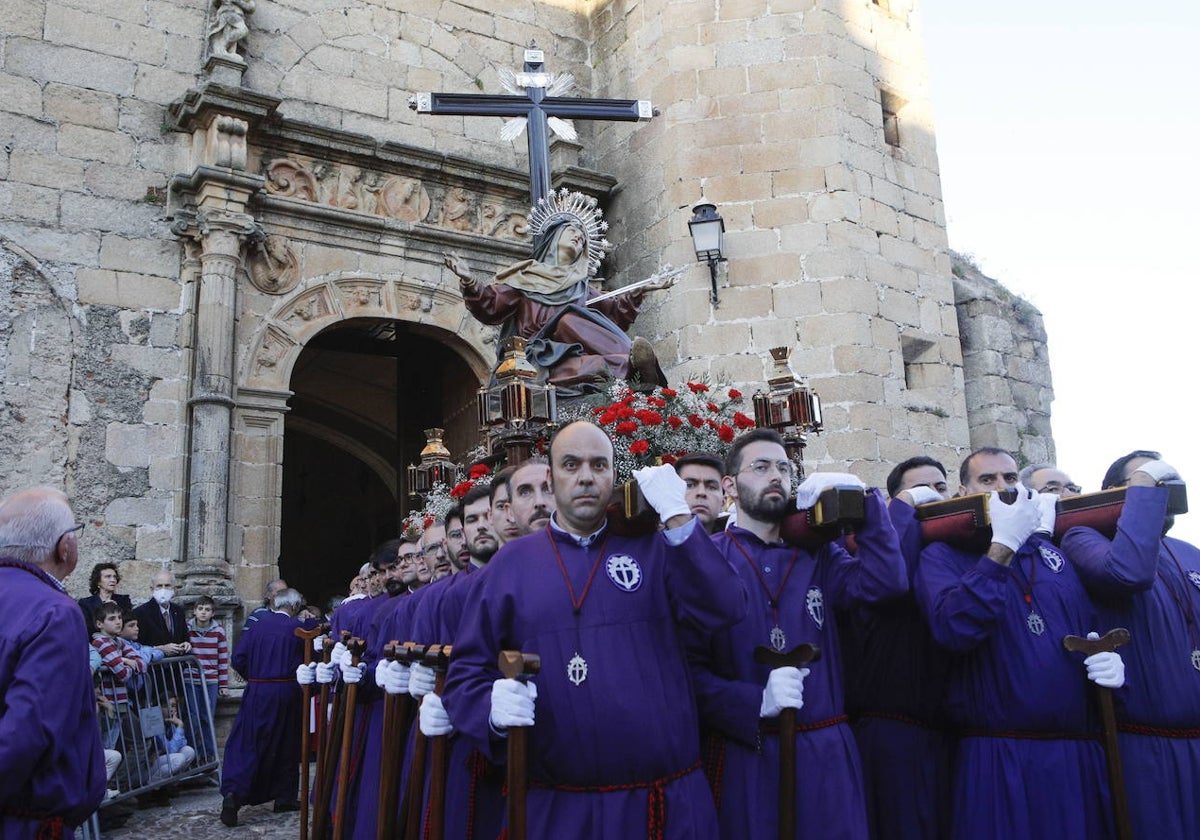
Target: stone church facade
(224,317)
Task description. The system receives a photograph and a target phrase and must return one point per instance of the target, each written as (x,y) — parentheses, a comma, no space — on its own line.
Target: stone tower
(222,229)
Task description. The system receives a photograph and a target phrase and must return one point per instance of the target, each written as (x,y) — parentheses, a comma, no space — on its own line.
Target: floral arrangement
(441,498)
(664,424)
(414,525)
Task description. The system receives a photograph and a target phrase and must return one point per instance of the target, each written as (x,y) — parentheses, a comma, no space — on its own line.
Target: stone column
(216,218)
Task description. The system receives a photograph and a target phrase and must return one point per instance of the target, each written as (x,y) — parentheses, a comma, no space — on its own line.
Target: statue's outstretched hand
(664,278)
(459,267)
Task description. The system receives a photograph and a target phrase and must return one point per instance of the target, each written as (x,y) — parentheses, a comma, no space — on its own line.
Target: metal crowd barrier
(140,735)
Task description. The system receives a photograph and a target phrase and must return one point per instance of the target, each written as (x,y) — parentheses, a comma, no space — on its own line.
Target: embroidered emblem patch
(624,572)
(814,604)
(1194,577)
(1053,560)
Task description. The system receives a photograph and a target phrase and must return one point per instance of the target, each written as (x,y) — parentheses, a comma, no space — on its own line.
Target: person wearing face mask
(161,622)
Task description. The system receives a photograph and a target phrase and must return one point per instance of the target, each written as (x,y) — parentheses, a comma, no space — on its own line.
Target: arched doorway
(364,391)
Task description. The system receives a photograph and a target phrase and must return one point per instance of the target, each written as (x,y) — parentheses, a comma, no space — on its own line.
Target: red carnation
(696,421)
(735,394)
(479,471)
(461,489)
(712,406)
(697,387)
(669,459)
(649,418)
(598,410)
(674,422)
(668,392)
(656,402)
(428,522)
(607,418)
(725,432)
(625,412)
(712,424)
(627,427)
(742,421)
(639,447)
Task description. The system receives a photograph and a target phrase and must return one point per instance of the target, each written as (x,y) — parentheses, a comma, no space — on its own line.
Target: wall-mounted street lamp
(707,226)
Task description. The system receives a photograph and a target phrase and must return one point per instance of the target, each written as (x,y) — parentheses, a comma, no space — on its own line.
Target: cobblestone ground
(194,813)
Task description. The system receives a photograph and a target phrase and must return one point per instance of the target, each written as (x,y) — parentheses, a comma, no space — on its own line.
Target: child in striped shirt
(118,665)
(211,650)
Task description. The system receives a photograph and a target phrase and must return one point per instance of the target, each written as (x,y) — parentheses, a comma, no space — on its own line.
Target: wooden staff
(415,796)
(514,665)
(355,647)
(395,722)
(306,691)
(1110,641)
(797,657)
(438,658)
(325,767)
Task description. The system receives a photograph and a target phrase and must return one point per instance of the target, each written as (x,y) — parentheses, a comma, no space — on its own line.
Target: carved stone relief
(393,196)
(274,266)
(309,307)
(362,294)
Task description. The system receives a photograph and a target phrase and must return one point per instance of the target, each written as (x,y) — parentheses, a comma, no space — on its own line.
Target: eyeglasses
(1056,488)
(78,529)
(434,551)
(762,467)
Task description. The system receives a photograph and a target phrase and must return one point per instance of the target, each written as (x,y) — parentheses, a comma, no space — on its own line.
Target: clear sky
(1068,136)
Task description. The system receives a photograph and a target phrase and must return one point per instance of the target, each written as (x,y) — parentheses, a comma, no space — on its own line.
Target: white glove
(1105,669)
(1159,471)
(393,678)
(664,490)
(818,483)
(512,703)
(785,690)
(319,643)
(1047,504)
(421,680)
(923,495)
(434,720)
(1013,524)
(339,650)
(306,674)
(325,672)
(350,673)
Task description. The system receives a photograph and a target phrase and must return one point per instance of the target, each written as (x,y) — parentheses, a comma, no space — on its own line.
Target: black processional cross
(530,103)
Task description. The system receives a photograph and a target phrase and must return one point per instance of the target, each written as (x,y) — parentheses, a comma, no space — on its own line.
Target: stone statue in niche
(228,27)
(576,335)
(274,268)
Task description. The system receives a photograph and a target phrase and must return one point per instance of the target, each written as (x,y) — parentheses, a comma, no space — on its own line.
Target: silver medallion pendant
(1036,626)
(778,638)
(1196,659)
(577,669)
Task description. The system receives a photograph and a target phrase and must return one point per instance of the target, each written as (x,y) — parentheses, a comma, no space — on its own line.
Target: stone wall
(1007,364)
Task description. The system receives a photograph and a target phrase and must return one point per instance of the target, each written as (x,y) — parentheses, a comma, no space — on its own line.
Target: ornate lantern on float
(434,468)
(789,407)
(515,409)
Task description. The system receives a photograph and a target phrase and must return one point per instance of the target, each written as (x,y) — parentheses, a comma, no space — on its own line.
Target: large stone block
(143,256)
(87,143)
(51,63)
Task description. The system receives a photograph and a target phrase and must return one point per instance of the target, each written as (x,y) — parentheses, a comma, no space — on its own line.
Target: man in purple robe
(793,594)
(1029,763)
(1150,584)
(614,739)
(51,762)
(895,679)
(262,754)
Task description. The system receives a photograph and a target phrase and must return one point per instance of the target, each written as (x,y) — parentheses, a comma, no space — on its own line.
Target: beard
(393,586)
(764,507)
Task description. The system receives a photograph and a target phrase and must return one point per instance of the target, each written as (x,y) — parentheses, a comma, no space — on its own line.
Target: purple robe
(744,762)
(895,680)
(51,762)
(1029,764)
(1137,585)
(619,750)
(262,754)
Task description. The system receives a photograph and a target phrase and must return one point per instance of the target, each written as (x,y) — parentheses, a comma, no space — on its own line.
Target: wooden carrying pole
(325,747)
(1110,641)
(438,658)
(395,725)
(516,665)
(306,691)
(355,647)
(414,797)
(797,657)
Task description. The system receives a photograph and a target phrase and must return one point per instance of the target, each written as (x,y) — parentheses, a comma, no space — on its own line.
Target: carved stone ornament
(393,196)
(225,142)
(273,267)
(228,27)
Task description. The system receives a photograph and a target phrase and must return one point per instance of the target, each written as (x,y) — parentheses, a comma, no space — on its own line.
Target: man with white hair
(262,755)
(51,762)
